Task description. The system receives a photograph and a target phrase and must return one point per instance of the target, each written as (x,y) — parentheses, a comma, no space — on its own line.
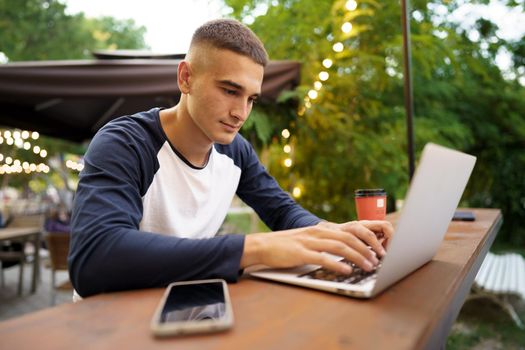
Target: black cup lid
(370,192)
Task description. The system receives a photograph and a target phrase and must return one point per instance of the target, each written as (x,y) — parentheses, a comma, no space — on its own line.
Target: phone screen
(194,302)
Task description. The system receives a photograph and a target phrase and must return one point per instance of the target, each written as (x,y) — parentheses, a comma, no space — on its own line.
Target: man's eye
(230,92)
(252,100)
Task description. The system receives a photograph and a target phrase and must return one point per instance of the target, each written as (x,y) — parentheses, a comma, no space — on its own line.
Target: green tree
(350,132)
(42,30)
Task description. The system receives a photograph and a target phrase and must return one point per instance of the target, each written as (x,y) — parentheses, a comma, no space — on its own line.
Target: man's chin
(225,140)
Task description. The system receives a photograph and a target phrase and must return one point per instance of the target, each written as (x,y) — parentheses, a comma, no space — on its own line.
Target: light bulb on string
(346,27)
(312,94)
(318,85)
(327,63)
(338,47)
(351,5)
(323,76)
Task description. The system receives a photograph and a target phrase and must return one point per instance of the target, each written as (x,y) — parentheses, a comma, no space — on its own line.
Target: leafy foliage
(353,134)
(42,30)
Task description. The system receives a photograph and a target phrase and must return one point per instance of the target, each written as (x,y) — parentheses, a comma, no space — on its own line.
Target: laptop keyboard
(358,275)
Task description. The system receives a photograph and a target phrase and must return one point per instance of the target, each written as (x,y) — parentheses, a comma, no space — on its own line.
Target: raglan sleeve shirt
(109,251)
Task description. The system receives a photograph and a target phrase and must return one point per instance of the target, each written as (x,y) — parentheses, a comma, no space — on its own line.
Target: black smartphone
(463,216)
(193,307)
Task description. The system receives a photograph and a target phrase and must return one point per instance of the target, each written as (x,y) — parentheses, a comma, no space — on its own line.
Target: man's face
(223,86)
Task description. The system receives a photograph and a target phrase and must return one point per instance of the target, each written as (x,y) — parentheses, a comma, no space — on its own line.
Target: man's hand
(291,248)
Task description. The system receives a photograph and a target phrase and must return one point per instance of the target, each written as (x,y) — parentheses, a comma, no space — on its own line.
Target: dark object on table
(464,216)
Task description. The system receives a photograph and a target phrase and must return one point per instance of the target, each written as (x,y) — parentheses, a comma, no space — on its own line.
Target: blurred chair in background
(58,246)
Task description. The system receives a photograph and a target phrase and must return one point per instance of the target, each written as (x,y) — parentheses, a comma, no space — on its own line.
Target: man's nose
(240,111)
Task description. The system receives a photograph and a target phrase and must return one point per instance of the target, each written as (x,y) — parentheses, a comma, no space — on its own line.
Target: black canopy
(73,99)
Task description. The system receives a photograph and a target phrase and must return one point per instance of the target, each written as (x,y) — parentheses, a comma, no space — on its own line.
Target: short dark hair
(231,35)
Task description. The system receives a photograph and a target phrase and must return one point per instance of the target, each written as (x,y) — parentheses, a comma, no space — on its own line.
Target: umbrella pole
(408,92)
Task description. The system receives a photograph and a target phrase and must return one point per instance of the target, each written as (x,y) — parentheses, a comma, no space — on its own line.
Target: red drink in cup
(370,204)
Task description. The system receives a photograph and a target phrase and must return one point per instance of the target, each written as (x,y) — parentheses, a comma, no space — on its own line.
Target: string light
(74,165)
(327,63)
(285,133)
(351,5)
(312,94)
(296,192)
(338,47)
(17,138)
(346,27)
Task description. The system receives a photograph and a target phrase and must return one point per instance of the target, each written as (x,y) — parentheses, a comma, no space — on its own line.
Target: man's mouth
(231,126)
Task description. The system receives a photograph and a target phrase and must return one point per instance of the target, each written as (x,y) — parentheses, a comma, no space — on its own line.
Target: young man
(157,185)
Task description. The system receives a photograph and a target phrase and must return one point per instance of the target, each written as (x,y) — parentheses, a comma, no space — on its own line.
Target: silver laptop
(434,194)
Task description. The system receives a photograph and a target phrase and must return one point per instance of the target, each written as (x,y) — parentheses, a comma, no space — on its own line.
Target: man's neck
(185,136)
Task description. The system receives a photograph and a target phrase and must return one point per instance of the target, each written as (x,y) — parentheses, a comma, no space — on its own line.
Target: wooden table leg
(36,262)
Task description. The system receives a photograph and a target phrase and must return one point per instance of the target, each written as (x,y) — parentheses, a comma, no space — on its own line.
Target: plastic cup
(370,204)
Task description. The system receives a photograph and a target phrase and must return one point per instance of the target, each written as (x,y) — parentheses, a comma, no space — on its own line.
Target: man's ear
(183,77)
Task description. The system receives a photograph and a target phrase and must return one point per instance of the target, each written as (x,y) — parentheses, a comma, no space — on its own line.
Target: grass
(243,223)
(482,324)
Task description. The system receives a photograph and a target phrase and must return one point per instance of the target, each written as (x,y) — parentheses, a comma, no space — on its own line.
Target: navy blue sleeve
(262,192)
(108,252)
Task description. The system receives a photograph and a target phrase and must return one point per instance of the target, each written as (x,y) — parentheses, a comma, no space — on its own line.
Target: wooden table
(415,313)
(24,234)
